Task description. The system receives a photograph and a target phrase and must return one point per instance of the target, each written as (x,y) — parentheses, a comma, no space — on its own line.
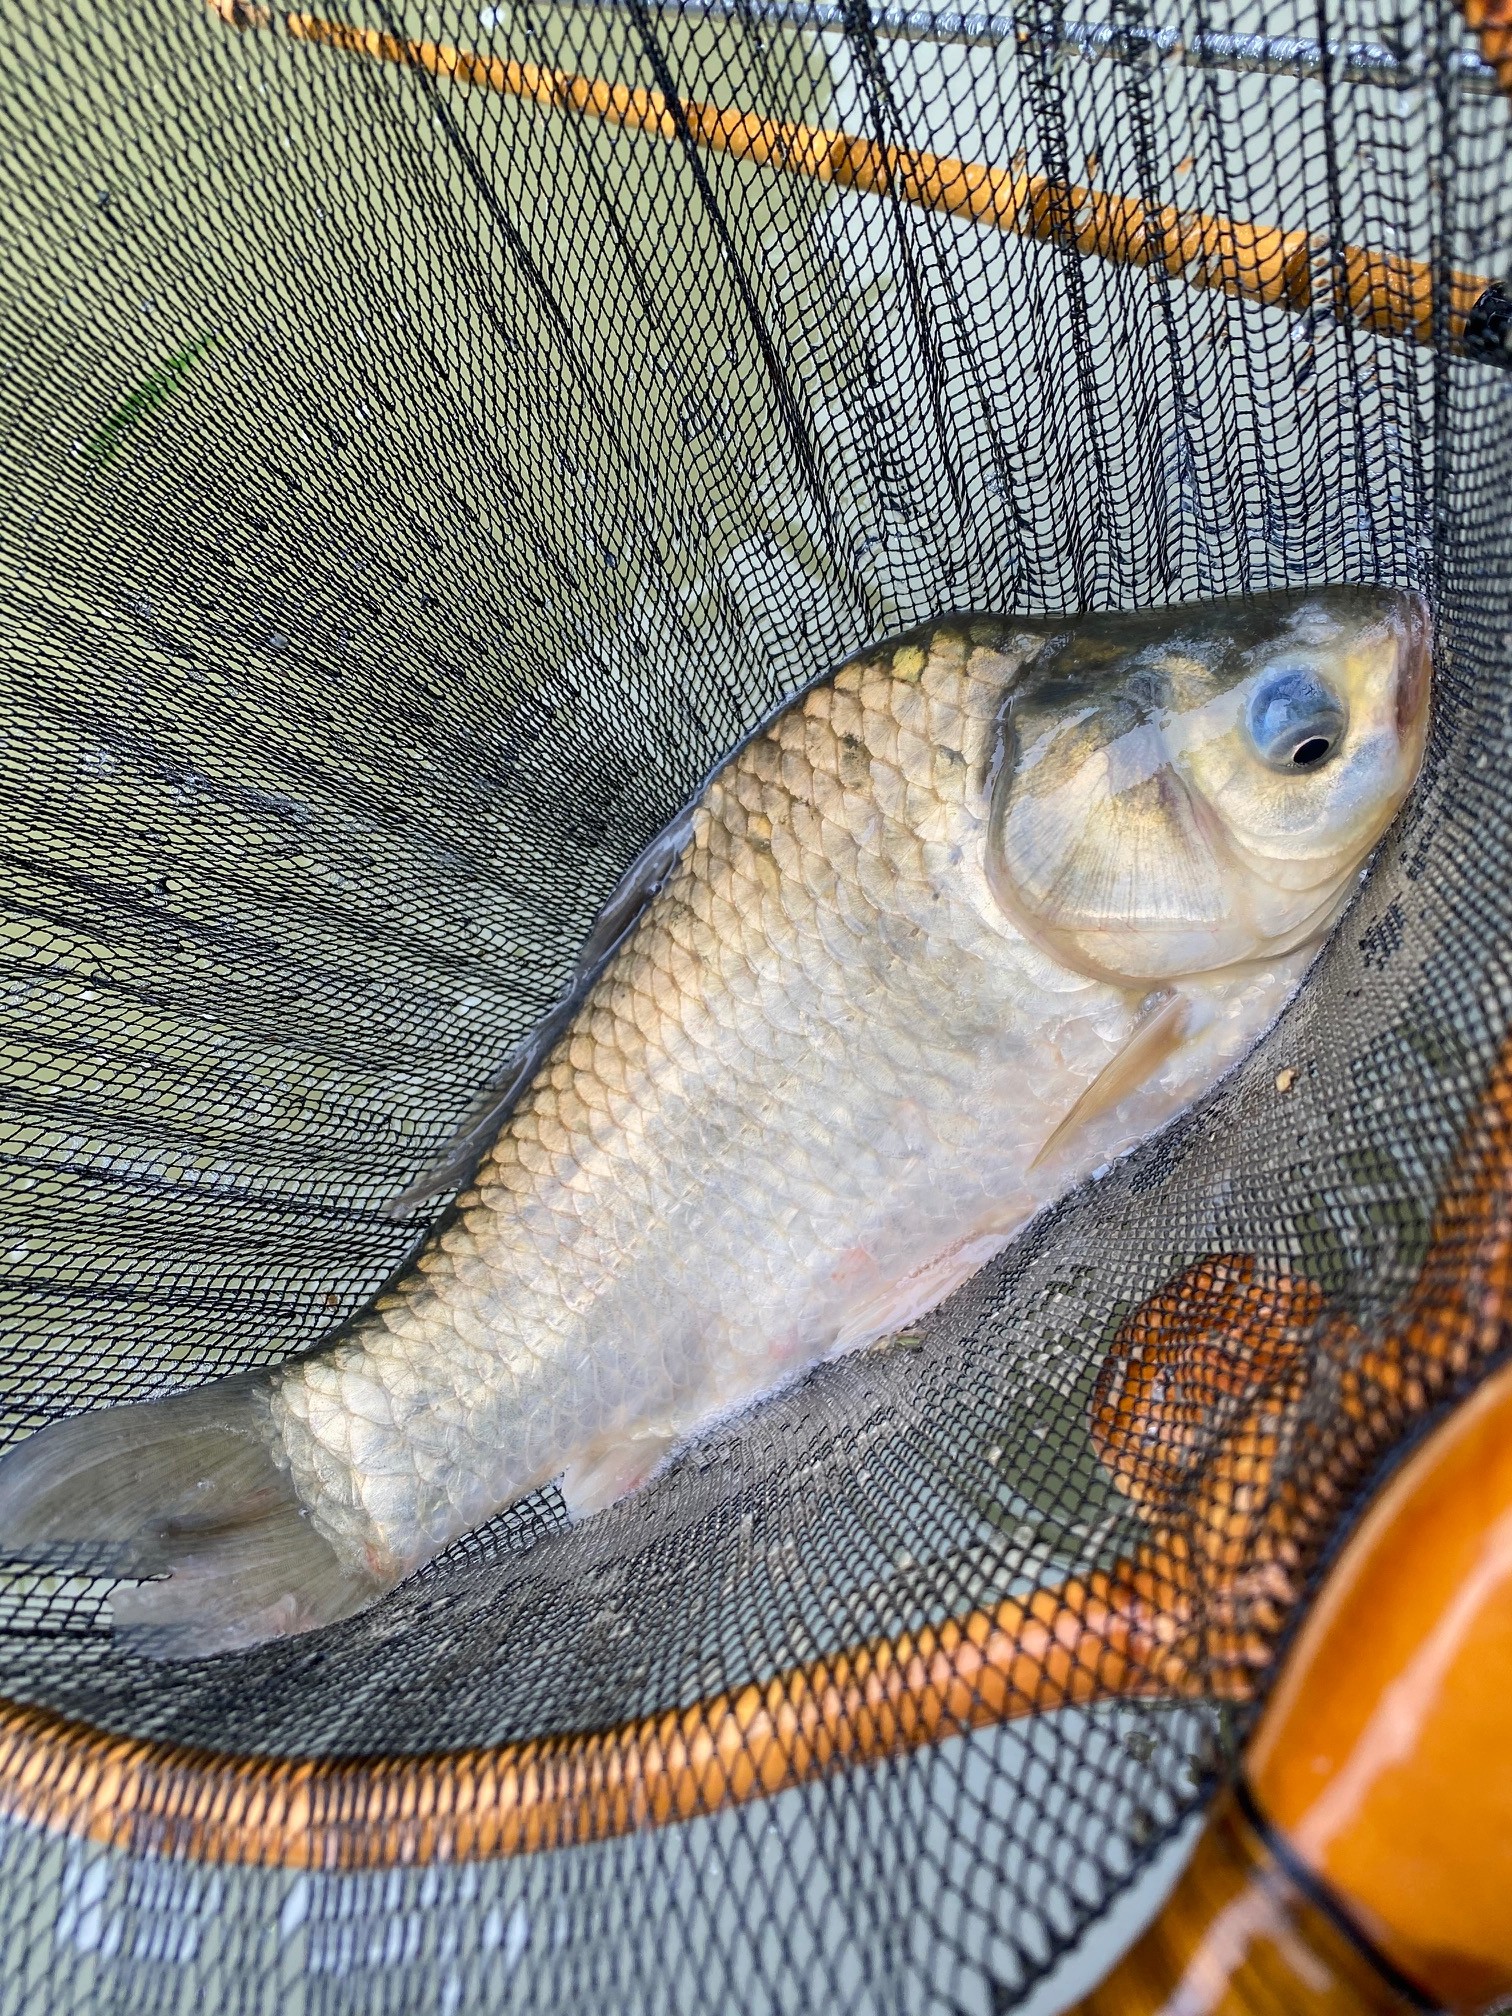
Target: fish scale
(859,1031)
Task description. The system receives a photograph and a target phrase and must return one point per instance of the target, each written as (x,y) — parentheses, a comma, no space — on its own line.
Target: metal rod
(1211,49)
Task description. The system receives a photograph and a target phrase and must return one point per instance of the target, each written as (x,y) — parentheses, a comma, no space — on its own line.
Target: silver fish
(972,915)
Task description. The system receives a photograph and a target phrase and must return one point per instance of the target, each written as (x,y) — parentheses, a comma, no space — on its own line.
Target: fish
(962,922)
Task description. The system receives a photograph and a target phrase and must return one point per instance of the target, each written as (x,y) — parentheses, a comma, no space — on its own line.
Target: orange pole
(1241,1936)
(1384,292)
(1385,1756)
(1366,1863)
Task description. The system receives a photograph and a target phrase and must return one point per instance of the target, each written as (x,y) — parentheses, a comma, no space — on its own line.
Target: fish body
(975,913)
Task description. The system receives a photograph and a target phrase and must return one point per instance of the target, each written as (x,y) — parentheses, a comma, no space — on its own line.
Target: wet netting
(431,439)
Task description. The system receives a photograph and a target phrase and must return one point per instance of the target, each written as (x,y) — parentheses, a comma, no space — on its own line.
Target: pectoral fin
(1158,1034)
(610,1470)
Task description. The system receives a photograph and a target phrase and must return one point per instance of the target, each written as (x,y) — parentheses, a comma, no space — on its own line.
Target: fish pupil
(1312,751)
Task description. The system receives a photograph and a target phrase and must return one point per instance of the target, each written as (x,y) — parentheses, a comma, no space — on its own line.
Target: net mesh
(431,439)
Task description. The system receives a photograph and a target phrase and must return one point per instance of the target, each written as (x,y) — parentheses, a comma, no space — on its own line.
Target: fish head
(1182,791)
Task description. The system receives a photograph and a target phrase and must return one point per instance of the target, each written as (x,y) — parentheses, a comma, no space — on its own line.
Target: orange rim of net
(1195,1611)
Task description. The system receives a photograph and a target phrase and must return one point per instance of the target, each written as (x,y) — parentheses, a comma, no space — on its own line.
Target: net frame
(906,1688)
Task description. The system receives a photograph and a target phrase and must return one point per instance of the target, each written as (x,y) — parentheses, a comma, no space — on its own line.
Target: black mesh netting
(412,481)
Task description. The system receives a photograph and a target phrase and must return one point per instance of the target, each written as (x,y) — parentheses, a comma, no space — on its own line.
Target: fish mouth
(1414,660)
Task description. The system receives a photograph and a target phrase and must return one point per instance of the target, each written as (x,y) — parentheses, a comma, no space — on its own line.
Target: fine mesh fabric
(410,484)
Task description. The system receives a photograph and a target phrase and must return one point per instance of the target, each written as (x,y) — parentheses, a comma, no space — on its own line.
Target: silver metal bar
(1212,49)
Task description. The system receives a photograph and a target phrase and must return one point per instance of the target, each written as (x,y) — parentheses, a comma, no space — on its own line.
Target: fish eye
(1295,721)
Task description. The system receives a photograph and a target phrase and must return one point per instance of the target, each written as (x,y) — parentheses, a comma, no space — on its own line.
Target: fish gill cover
(432,440)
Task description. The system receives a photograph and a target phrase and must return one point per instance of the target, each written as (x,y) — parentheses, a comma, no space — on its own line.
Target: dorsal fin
(480,1124)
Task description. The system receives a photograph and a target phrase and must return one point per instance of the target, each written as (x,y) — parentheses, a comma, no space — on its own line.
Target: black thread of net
(408,492)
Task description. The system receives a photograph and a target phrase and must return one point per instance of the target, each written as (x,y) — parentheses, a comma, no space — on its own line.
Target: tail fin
(186,1487)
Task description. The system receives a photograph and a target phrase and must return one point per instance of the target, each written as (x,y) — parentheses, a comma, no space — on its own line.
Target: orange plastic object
(1195,1359)
(1381,1767)
(1239,1936)
(1381,1772)
(1385,1756)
